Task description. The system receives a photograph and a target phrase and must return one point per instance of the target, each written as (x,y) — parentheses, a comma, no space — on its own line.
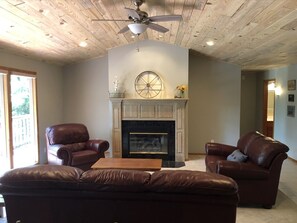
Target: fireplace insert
(148,139)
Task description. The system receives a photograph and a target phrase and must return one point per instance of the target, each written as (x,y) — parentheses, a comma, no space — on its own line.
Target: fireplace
(148,139)
(152,119)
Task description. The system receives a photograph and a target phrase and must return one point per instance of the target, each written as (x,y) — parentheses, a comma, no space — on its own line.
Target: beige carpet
(285,210)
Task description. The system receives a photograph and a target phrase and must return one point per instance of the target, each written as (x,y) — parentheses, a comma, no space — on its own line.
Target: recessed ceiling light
(44,11)
(63,22)
(210,43)
(83,44)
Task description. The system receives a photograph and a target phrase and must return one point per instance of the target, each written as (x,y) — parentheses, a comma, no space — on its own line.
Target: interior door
(268,107)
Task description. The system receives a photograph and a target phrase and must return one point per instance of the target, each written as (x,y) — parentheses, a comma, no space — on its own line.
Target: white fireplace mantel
(151,109)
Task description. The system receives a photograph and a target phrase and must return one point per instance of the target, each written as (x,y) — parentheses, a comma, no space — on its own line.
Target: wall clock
(148,84)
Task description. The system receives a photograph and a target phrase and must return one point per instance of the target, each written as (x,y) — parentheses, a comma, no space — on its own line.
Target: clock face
(148,84)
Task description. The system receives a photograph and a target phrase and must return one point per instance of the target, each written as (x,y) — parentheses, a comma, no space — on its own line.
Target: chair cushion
(83,157)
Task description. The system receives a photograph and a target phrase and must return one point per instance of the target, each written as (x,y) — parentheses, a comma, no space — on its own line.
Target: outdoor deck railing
(22,130)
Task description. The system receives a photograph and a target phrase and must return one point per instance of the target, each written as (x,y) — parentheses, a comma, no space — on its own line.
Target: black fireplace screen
(148,143)
(148,139)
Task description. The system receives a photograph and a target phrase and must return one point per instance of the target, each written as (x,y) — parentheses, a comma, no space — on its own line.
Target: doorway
(18,119)
(268,107)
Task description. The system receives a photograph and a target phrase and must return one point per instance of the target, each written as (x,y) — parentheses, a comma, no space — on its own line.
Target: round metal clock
(148,84)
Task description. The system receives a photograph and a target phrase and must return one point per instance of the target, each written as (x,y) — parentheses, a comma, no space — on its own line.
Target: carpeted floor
(285,210)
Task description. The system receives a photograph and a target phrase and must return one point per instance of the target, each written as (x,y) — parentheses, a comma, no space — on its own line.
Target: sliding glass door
(19,145)
(4,149)
(23,121)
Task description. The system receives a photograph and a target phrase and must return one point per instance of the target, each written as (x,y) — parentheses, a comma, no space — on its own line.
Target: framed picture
(291,110)
(291,97)
(291,85)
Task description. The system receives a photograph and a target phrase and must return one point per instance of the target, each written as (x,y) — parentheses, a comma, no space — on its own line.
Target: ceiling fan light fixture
(137,28)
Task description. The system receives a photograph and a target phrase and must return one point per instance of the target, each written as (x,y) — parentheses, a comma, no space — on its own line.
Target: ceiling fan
(140,20)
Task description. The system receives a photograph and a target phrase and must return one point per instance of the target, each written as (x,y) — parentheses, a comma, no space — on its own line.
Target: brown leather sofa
(258,177)
(62,194)
(69,144)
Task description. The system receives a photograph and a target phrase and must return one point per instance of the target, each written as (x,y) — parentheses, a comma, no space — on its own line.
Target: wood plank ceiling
(255,34)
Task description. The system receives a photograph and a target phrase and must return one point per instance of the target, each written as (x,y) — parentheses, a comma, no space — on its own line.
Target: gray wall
(79,93)
(86,97)
(214,106)
(170,62)
(249,103)
(49,92)
(214,86)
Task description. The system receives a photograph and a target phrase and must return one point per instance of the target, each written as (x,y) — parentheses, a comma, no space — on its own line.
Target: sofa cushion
(191,182)
(237,156)
(242,171)
(115,180)
(42,176)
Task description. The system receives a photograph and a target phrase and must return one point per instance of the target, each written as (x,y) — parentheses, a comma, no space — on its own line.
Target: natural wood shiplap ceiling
(255,34)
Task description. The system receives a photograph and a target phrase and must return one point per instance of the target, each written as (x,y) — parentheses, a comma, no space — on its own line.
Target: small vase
(179,94)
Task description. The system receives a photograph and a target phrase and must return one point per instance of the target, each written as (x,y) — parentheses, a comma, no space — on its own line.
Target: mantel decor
(148,84)
(117,93)
(180,91)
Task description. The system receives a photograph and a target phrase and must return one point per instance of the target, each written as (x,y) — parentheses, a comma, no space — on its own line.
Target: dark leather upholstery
(258,177)
(69,144)
(61,194)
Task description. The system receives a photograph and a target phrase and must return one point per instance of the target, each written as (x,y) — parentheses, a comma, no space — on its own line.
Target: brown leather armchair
(69,144)
(258,177)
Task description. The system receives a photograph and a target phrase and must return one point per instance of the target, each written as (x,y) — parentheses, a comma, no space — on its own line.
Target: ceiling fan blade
(157,27)
(133,13)
(123,30)
(113,20)
(165,18)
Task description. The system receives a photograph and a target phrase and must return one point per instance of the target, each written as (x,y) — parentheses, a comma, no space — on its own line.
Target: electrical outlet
(212,140)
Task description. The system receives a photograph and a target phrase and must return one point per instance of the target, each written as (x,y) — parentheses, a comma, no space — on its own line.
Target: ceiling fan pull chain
(137,43)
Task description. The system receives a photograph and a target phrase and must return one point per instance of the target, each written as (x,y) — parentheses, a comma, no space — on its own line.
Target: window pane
(25,150)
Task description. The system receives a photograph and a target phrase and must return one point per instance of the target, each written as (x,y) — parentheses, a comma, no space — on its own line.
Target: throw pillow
(237,156)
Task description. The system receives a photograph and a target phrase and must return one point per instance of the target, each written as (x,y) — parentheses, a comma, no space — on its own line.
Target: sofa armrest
(237,170)
(98,145)
(219,149)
